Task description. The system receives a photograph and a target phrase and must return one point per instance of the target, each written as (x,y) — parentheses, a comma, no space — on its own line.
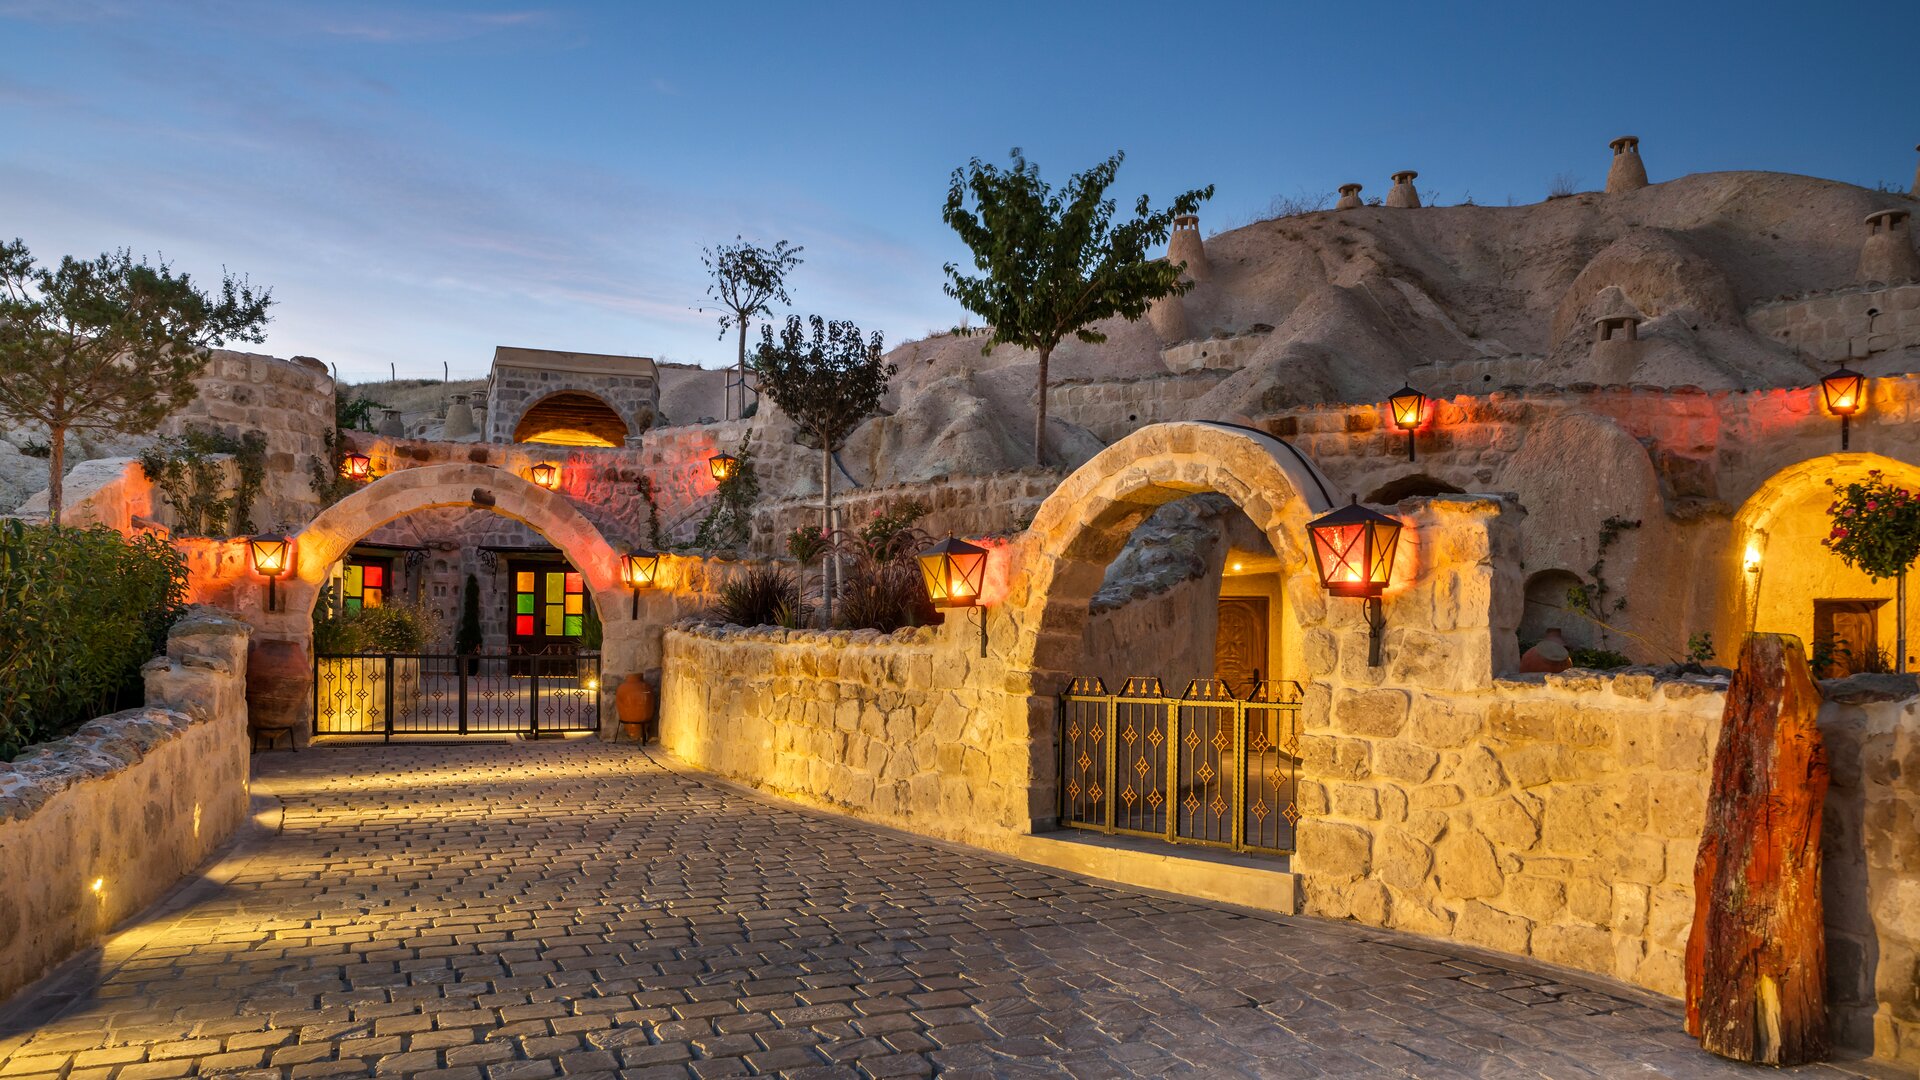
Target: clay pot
(279,686)
(633,703)
(1549,655)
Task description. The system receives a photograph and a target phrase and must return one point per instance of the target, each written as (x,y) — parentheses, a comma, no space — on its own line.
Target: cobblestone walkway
(522,911)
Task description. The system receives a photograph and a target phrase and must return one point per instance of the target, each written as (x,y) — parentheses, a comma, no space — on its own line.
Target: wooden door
(1240,646)
(1847,632)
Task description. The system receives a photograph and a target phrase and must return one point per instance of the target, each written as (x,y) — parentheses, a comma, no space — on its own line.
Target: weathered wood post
(1756,960)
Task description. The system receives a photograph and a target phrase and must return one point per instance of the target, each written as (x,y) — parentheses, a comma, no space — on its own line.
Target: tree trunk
(830,564)
(1900,618)
(743,371)
(1756,960)
(56,473)
(1040,413)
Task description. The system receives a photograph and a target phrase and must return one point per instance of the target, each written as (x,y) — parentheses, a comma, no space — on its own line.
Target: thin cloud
(414,27)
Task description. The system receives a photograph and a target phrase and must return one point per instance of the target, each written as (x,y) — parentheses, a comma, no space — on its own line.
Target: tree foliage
(1876,526)
(747,278)
(112,343)
(1054,262)
(827,383)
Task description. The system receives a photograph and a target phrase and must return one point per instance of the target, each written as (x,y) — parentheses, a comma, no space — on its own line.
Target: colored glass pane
(523,581)
(354,579)
(523,604)
(371,597)
(553,622)
(575,604)
(573,625)
(573,583)
(352,603)
(523,625)
(556,584)
(374,576)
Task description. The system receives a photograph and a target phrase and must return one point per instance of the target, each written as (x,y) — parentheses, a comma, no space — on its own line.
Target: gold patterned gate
(1208,767)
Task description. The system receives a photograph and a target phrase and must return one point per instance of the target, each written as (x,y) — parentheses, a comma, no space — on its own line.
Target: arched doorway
(571,418)
(1782,580)
(1080,529)
(334,532)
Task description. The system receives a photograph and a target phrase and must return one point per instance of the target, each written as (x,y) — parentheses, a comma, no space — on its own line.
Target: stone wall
(1478,375)
(1112,408)
(519,384)
(98,825)
(991,505)
(1836,326)
(288,401)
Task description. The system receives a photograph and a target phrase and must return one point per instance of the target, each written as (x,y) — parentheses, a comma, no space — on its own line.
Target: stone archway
(571,417)
(1082,526)
(1775,572)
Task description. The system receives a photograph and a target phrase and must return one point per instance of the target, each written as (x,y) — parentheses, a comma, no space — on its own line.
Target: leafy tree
(1053,263)
(1876,529)
(746,279)
(109,343)
(827,384)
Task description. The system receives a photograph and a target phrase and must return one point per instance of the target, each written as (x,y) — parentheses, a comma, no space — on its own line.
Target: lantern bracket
(1376,629)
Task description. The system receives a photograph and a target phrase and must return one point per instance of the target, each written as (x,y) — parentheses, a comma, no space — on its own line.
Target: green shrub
(1598,659)
(396,627)
(84,608)
(765,596)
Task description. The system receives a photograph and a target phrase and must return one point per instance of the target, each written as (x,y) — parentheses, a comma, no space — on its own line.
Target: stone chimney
(1168,317)
(1185,246)
(391,425)
(1402,193)
(1349,198)
(459,423)
(1627,173)
(1616,335)
(1888,253)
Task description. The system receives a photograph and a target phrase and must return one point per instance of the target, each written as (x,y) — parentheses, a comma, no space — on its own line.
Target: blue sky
(421,182)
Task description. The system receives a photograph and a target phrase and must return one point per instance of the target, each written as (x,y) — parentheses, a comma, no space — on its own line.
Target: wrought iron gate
(1210,767)
(390,694)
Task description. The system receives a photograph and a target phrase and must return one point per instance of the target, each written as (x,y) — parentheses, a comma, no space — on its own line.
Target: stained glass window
(548,603)
(364,582)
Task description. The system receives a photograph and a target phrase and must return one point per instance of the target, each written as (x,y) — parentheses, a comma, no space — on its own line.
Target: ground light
(1843,390)
(1407,407)
(638,568)
(955,572)
(722,467)
(1353,548)
(269,560)
(546,475)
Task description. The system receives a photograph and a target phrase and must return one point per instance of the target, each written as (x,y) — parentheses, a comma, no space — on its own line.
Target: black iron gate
(390,694)
(1211,767)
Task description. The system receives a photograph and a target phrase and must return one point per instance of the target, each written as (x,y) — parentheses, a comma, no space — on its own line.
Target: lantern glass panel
(955,573)
(546,475)
(722,467)
(269,555)
(1842,390)
(356,467)
(639,567)
(1354,550)
(1407,407)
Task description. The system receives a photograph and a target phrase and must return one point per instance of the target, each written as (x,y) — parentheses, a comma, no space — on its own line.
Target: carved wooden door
(1240,647)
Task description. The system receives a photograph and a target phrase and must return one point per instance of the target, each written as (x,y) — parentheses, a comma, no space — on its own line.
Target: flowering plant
(1876,526)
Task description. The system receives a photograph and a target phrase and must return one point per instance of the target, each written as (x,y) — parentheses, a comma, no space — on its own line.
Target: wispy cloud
(386,26)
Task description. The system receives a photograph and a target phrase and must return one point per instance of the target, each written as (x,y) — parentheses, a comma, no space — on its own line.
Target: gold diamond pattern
(1205,772)
(1292,814)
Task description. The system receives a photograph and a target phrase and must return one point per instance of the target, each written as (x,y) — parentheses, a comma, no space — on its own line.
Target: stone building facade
(573,389)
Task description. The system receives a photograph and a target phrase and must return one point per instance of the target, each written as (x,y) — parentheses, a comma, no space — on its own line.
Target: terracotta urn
(279,686)
(1549,655)
(634,703)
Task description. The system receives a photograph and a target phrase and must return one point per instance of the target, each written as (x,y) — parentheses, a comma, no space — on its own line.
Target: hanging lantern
(956,572)
(357,467)
(638,569)
(270,558)
(546,474)
(1353,549)
(1844,391)
(722,466)
(1407,408)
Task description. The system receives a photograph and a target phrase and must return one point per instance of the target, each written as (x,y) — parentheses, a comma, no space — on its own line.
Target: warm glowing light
(954,571)
(1237,567)
(1408,407)
(639,567)
(99,883)
(722,466)
(356,467)
(1354,548)
(593,684)
(546,474)
(1752,561)
(1843,391)
(269,554)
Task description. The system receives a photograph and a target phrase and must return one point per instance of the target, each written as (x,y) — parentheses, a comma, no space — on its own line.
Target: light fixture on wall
(546,475)
(638,569)
(357,467)
(955,573)
(722,467)
(270,559)
(1353,548)
(1407,408)
(1843,390)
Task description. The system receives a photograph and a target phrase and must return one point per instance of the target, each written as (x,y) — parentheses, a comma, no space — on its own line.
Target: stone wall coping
(102,747)
(709,630)
(909,487)
(1638,683)
(1196,375)
(1823,294)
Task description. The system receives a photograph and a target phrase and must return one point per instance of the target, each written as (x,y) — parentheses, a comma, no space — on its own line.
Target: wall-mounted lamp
(1353,548)
(1751,562)
(1843,390)
(357,467)
(638,569)
(1408,408)
(546,474)
(722,467)
(270,561)
(955,572)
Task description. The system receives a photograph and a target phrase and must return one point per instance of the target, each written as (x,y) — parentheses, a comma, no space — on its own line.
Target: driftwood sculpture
(1756,960)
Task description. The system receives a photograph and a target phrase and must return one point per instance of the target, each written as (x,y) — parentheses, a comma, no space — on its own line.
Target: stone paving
(499,912)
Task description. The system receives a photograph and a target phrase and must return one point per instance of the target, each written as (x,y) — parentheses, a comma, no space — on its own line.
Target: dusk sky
(421,182)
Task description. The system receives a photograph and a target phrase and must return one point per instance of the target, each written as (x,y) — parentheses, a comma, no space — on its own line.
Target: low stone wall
(888,727)
(1836,326)
(98,825)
